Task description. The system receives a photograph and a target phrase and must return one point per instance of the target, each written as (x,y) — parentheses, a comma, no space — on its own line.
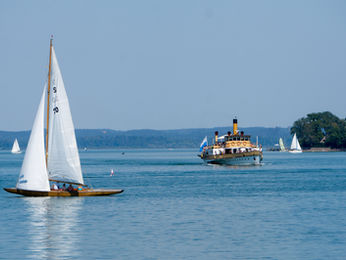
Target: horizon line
(151,129)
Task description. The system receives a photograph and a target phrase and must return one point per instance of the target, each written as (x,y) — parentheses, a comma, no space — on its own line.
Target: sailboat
(57,161)
(282,146)
(295,146)
(15,147)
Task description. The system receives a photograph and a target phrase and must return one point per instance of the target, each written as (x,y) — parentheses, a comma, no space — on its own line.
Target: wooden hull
(55,193)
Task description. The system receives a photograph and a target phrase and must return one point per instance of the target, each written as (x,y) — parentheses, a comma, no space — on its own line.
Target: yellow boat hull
(60,193)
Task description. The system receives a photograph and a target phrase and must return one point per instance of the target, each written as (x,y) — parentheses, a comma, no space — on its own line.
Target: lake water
(176,207)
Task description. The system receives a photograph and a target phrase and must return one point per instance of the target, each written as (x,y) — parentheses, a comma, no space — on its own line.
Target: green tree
(320,130)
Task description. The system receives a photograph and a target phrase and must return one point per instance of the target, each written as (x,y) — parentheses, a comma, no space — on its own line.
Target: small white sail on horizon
(282,146)
(15,147)
(295,146)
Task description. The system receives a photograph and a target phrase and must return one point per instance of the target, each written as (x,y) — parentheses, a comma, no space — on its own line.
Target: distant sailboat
(295,146)
(15,147)
(59,160)
(282,146)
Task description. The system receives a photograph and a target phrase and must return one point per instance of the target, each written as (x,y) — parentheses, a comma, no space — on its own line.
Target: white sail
(15,147)
(33,175)
(295,144)
(282,146)
(63,158)
(298,145)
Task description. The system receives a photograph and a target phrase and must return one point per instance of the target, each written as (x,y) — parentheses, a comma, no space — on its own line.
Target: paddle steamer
(232,149)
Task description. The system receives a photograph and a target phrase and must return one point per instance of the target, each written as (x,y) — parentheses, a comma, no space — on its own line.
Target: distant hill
(146,138)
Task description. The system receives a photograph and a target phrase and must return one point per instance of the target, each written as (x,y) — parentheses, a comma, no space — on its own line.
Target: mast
(49,72)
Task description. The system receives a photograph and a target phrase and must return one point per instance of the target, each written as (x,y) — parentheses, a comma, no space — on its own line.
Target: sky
(175,64)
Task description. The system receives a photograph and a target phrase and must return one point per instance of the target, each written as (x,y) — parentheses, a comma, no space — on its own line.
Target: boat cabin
(237,138)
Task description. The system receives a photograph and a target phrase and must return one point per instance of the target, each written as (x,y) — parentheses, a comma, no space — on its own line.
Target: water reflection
(53,227)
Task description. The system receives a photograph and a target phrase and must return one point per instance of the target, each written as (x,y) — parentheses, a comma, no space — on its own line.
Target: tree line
(320,130)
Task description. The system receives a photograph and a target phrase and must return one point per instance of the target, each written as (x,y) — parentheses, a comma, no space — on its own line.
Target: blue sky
(175,64)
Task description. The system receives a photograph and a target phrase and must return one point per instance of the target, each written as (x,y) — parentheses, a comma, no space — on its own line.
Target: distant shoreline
(180,138)
(323,149)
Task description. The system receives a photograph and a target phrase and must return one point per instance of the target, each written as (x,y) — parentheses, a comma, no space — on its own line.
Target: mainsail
(63,158)
(282,146)
(298,145)
(33,175)
(15,147)
(295,144)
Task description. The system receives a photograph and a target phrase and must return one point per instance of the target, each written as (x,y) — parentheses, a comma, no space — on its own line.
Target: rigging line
(48,90)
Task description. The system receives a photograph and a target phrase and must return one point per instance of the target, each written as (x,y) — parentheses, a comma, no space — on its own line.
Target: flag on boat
(203,144)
